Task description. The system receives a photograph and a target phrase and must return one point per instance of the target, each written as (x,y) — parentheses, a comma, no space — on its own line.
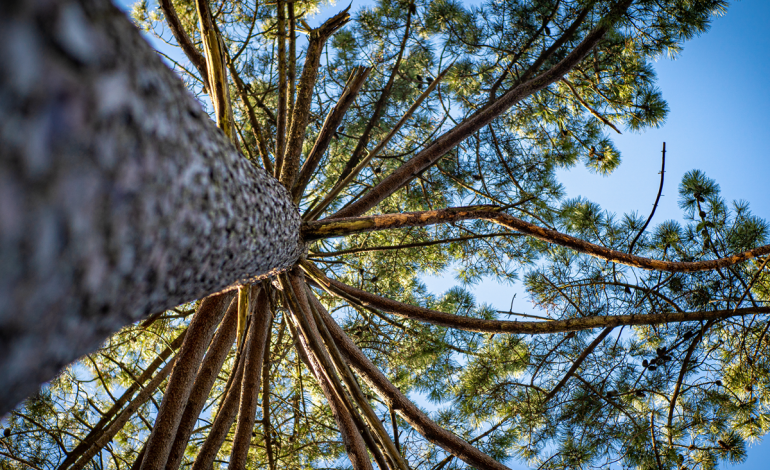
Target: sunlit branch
(329,128)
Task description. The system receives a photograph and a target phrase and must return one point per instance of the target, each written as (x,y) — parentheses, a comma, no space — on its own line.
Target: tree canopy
(413,136)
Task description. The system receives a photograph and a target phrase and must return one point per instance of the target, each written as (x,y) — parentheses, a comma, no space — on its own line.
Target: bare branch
(329,228)
(514,327)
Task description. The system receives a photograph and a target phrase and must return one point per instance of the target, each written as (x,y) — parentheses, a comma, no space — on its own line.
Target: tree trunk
(118,195)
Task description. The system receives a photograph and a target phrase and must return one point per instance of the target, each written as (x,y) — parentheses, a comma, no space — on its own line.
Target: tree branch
(576,365)
(329,228)
(195,57)
(404,407)
(301,111)
(201,330)
(657,199)
(333,120)
(424,159)
(515,327)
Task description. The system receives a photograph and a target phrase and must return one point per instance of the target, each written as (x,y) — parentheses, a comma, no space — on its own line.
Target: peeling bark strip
(329,228)
(480,325)
(119,196)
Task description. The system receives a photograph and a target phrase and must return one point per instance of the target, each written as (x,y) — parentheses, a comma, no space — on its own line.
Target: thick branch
(261,321)
(516,327)
(204,381)
(223,422)
(323,369)
(404,407)
(201,330)
(301,111)
(389,447)
(283,89)
(329,228)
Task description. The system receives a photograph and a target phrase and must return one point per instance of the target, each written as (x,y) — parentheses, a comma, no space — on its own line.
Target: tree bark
(118,195)
(258,333)
(199,334)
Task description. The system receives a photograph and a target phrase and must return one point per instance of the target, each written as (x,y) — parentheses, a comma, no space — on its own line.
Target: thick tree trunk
(118,195)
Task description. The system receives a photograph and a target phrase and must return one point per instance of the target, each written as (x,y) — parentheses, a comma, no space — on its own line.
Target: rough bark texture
(118,195)
(199,334)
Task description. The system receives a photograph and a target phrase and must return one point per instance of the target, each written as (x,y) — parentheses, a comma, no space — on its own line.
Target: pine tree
(282,253)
